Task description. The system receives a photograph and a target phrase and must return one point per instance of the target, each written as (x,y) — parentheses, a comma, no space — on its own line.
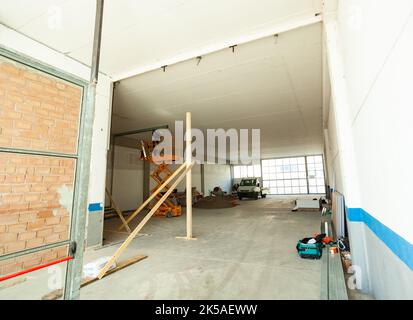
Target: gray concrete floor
(245,252)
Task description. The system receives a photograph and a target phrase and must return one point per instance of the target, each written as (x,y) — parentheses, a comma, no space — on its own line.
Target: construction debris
(216,202)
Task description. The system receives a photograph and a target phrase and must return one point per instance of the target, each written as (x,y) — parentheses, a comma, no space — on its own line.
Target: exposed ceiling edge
(67,55)
(280,28)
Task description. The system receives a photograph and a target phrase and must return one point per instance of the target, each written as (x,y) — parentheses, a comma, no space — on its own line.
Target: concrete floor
(246,252)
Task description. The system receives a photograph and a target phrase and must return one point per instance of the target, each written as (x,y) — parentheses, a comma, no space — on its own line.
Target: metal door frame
(82,156)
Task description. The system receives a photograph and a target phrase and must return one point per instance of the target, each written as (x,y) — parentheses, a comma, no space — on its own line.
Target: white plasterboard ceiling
(267,85)
(272,84)
(137,33)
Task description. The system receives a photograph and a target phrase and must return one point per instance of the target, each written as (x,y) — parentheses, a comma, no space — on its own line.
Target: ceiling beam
(292,24)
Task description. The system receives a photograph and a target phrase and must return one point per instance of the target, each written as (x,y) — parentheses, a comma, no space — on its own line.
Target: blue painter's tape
(95,207)
(400,246)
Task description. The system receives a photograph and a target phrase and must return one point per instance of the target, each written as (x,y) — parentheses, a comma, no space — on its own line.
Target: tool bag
(310,250)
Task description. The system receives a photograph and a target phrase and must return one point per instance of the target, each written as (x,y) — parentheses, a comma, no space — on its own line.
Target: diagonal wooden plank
(143,222)
(118,211)
(153,195)
(56,294)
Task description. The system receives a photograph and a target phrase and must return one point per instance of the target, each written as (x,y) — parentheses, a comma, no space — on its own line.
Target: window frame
(306,178)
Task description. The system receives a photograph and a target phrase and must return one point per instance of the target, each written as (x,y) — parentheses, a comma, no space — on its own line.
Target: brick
(17,80)
(33,179)
(60,228)
(53,220)
(58,171)
(7,219)
(33,243)
(19,206)
(37,187)
(32,262)
(38,205)
(22,124)
(45,214)
(52,238)
(10,268)
(30,75)
(5,188)
(35,225)
(48,256)
(21,188)
(60,86)
(42,170)
(15,246)
(29,216)
(8,237)
(61,252)
(32,197)
(44,232)
(65,220)
(11,114)
(11,198)
(9,68)
(17,228)
(64,235)
(49,179)
(10,169)
(5,141)
(27,236)
(21,143)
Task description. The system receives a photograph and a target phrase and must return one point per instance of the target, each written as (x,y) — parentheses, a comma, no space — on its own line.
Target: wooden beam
(142,224)
(153,195)
(188,161)
(118,211)
(56,294)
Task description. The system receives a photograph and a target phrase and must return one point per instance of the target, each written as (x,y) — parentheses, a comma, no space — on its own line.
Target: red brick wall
(37,112)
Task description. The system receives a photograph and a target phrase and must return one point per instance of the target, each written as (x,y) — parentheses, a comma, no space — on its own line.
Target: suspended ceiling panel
(273,84)
(137,33)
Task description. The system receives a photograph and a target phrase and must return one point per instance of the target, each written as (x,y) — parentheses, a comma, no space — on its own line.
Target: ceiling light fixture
(233,48)
(199,58)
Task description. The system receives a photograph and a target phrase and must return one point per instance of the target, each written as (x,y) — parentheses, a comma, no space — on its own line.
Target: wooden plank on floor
(336,280)
(324,275)
(56,294)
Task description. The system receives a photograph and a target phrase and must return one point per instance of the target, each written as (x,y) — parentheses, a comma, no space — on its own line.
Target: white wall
(214,175)
(217,175)
(24,45)
(370,123)
(377,55)
(127,178)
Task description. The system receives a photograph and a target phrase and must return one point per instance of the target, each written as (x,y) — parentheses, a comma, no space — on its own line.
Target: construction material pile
(216,202)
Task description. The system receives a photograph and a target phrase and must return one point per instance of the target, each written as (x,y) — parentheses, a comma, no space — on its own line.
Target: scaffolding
(160,174)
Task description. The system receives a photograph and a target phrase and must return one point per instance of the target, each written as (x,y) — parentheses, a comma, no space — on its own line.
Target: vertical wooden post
(188,160)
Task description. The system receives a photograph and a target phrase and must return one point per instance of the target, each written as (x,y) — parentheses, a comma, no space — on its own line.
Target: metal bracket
(72,248)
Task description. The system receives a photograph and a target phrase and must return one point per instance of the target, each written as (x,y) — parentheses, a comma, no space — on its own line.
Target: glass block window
(296,175)
(251,171)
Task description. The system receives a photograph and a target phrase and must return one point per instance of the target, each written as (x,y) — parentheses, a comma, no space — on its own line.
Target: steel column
(78,227)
